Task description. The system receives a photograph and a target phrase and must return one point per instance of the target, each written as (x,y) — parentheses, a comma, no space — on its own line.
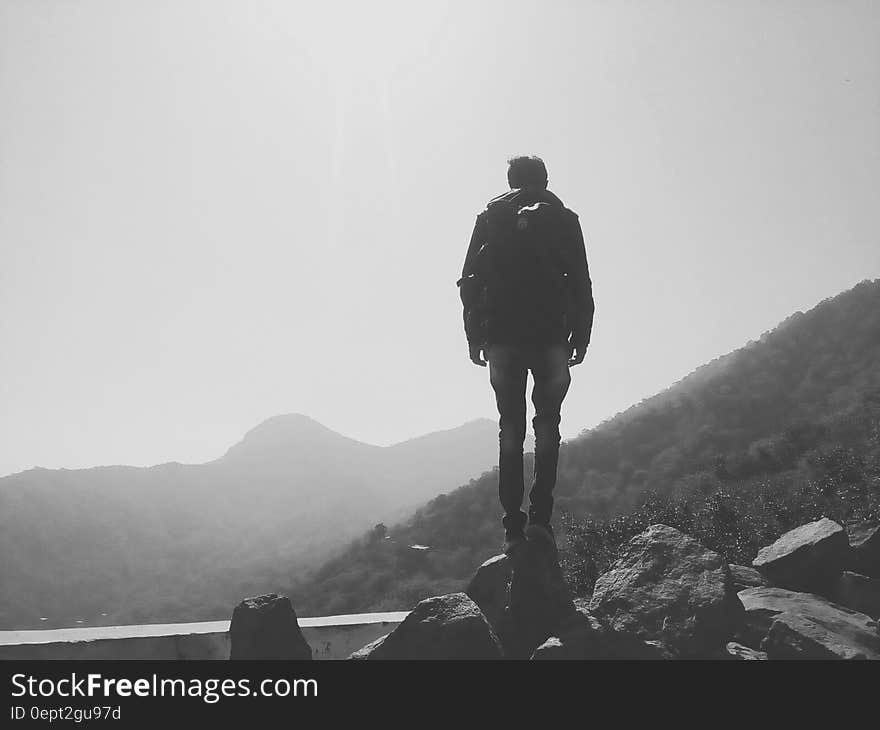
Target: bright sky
(214,212)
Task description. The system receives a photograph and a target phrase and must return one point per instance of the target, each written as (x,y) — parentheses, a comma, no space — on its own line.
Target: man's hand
(577,354)
(475,351)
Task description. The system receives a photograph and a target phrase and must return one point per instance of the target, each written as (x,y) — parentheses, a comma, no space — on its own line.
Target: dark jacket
(511,324)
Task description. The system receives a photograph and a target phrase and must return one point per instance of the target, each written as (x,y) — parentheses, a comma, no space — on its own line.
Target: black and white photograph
(369,330)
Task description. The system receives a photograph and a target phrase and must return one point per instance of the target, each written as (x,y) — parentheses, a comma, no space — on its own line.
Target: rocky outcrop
(266,627)
(808,558)
(444,627)
(512,606)
(744,577)
(667,587)
(489,589)
(666,597)
(539,600)
(864,540)
(534,615)
(793,625)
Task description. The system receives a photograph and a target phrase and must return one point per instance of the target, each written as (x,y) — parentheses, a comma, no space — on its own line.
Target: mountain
(785,427)
(178,542)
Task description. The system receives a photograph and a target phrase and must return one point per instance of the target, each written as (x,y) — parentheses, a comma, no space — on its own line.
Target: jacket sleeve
(471,285)
(582,304)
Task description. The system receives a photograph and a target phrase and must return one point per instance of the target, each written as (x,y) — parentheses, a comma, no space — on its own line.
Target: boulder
(489,588)
(539,600)
(552,649)
(265,627)
(586,637)
(746,653)
(744,577)
(365,651)
(763,605)
(800,637)
(443,627)
(858,592)
(807,558)
(583,636)
(792,625)
(668,587)
(864,539)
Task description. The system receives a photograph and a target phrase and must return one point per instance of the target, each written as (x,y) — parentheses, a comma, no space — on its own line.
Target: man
(528,306)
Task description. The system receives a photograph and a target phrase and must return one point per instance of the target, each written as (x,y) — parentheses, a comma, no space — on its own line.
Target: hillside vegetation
(774,434)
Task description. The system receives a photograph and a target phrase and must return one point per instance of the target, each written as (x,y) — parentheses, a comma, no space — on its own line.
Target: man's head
(526,172)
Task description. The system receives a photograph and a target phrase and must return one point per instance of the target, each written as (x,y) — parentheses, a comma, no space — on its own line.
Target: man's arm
(581,291)
(470,287)
(478,238)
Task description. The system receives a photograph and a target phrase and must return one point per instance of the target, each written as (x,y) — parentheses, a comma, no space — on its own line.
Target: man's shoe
(539,532)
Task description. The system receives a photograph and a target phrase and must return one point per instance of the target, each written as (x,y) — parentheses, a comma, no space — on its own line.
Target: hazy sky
(215,212)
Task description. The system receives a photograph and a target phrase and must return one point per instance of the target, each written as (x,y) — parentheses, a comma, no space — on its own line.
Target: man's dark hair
(525,171)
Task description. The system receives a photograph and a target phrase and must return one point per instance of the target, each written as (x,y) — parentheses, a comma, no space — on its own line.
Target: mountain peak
(289,432)
(287,422)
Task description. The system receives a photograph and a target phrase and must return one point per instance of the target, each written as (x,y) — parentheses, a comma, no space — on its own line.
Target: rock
(365,651)
(800,637)
(265,627)
(864,539)
(489,589)
(552,649)
(858,592)
(583,636)
(592,638)
(791,625)
(443,627)
(744,577)
(668,587)
(539,600)
(742,652)
(763,605)
(578,636)
(807,558)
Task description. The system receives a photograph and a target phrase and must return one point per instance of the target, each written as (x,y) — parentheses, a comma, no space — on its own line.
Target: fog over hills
(178,542)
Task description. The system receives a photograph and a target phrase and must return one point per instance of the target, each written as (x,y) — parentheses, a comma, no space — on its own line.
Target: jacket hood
(529,195)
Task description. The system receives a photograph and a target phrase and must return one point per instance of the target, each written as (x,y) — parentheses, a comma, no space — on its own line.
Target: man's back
(529,281)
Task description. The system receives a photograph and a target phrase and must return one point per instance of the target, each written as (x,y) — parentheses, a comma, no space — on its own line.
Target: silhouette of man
(528,306)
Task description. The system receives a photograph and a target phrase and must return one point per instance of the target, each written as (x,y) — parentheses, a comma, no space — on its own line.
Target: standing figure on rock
(528,305)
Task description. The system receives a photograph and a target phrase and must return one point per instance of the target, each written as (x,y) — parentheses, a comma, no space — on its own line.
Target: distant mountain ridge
(176,542)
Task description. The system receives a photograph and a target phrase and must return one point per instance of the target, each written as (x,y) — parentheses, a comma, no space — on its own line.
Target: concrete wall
(331,637)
